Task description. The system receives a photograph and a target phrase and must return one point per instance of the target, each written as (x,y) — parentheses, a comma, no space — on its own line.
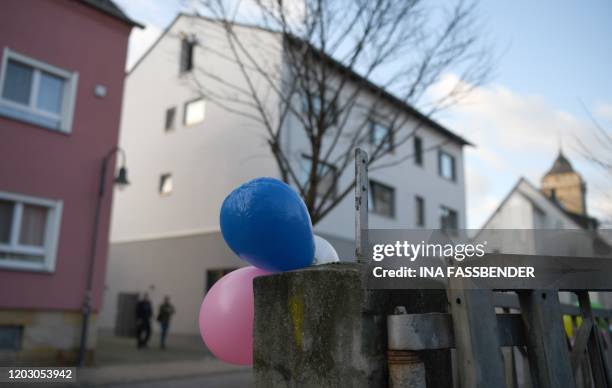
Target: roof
(383,93)
(331,61)
(111,9)
(586,222)
(561,165)
(582,221)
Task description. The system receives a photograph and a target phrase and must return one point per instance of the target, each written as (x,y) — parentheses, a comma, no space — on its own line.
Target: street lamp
(120,180)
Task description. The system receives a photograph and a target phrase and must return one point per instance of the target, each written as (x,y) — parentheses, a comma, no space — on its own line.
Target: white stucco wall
(527,208)
(206,160)
(522,220)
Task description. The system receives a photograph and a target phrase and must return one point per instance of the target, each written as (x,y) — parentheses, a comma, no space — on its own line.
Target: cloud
(604,110)
(505,119)
(516,135)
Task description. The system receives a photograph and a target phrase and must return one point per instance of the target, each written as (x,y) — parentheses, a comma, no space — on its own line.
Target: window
(194,112)
(418,151)
(165,184)
(419,203)
(36,92)
(187,47)
(326,173)
(213,275)
(170,115)
(446,166)
(449,219)
(380,133)
(29,230)
(382,199)
(331,110)
(11,337)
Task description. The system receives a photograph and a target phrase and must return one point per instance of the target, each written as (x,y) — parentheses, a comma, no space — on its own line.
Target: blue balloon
(266,223)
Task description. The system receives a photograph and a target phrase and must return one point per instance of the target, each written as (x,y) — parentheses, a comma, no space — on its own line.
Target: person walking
(144,311)
(166,310)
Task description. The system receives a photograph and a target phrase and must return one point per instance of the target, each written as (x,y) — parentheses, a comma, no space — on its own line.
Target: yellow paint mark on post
(296,309)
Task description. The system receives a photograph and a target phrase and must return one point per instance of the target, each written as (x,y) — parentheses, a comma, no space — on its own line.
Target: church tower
(564,185)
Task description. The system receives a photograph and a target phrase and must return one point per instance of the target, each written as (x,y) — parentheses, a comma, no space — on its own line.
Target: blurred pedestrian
(166,310)
(144,311)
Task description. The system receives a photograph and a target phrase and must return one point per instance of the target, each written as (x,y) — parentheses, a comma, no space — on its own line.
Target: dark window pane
(213,275)
(166,184)
(383,199)
(380,133)
(326,174)
(10,337)
(6,219)
(418,151)
(320,107)
(170,115)
(187,47)
(315,104)
(50,93)
(449,219)
(33,225)
(420,211)
(17,82)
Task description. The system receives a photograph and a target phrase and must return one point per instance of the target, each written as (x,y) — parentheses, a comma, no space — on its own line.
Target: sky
(553,59)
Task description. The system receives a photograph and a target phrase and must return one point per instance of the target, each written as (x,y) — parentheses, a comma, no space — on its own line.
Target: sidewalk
(118,361)
(112,350)
(125,374)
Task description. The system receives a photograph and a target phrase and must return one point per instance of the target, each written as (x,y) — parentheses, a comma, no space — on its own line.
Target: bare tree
(602,157)
(595,146)
(333,51)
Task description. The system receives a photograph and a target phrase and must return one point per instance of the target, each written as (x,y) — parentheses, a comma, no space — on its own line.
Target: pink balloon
(226,316)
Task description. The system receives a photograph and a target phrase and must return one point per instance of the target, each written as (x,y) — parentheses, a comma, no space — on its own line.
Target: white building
(549,221)
(560,203)
(185,154)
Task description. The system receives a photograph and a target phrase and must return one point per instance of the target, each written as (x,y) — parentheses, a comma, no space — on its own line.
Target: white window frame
(52,229)
(31,113)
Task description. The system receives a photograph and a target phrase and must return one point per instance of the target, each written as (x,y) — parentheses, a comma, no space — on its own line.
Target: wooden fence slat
(479,357)
(361,204)
(431,331)
(507,300)
(580,344)
(606,359)
(549,357)
(594,343)
(510,365)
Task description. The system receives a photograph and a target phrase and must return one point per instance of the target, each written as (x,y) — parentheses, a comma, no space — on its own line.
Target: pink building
(61,85)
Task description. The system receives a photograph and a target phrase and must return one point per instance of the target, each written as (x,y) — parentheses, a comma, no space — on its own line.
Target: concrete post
(318,327)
